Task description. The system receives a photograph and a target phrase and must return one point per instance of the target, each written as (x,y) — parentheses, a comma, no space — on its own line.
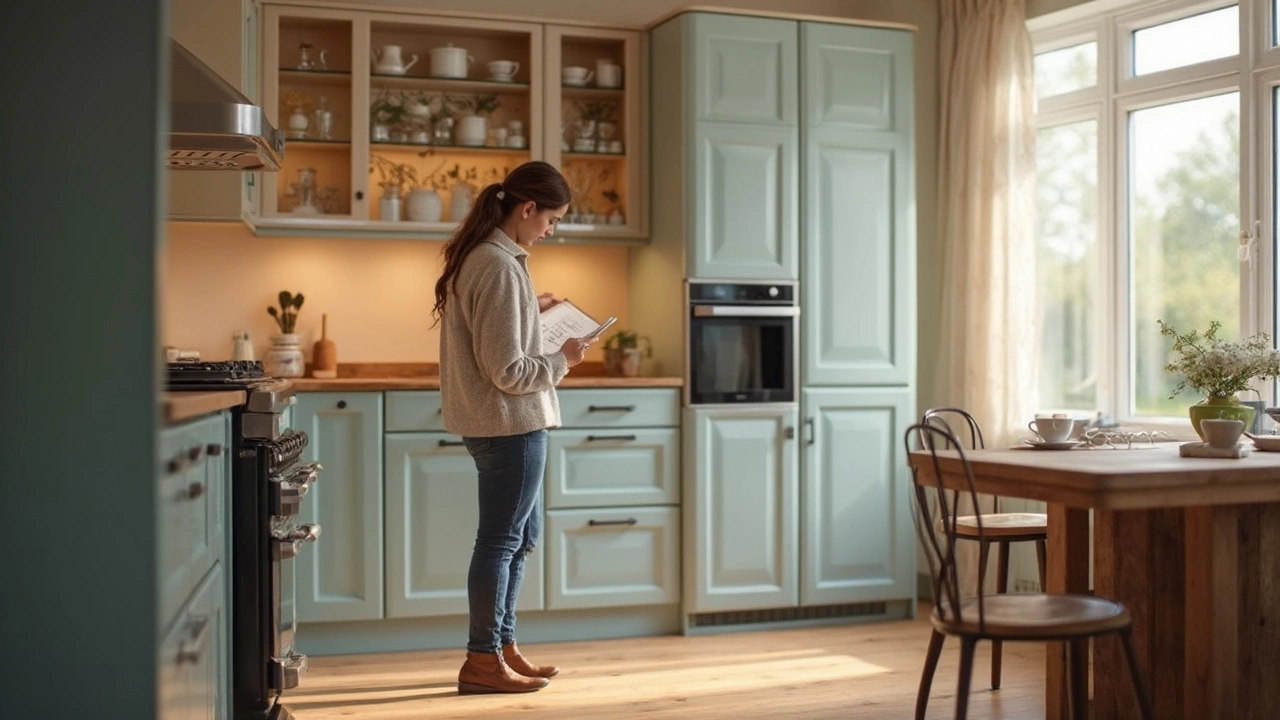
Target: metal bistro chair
(1009,617)
(1002,528)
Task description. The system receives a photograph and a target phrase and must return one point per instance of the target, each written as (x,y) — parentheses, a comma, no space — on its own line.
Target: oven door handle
(746,311)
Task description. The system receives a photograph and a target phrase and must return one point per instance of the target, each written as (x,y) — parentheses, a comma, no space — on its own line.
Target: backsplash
(219,278)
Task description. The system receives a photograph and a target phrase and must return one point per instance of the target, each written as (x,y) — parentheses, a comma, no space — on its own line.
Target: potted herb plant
(389,118)
(284,359)
(473,123)
(623,353)
(1219,370)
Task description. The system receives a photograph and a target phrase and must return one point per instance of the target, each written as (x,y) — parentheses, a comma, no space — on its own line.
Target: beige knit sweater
(493,378)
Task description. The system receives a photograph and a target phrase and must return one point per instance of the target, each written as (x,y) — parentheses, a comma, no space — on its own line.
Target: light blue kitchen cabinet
(193,482)
(857,537)
(613,556)
(431,518)
(745,68)
(746,180)
(340,576)
(858,189)
(740,511)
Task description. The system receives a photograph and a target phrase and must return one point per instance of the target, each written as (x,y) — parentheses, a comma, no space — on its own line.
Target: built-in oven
(742,343)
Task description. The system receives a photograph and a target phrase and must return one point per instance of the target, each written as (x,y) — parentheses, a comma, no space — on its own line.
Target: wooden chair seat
(1034,616)
(1001,526)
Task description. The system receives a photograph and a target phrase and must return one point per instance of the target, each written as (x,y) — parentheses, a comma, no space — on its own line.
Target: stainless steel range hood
(213,126)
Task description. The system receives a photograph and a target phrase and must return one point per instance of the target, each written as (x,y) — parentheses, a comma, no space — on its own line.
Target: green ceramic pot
(1227,408)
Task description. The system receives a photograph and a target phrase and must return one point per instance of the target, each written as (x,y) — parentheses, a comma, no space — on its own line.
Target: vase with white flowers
(1219,370)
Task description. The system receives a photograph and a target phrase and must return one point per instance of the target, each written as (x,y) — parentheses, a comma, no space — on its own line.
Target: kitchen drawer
(606,408)
(611,558)
(192,655)
(192,485)
(414,411)
(628,466)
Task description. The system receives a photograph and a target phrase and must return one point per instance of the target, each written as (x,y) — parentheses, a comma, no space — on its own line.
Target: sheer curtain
(986,202)
(986,361)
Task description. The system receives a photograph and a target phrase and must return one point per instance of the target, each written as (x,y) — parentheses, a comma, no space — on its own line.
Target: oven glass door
(741,360)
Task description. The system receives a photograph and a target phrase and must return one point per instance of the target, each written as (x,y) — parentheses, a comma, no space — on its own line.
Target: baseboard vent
(1026,586)
(775,615)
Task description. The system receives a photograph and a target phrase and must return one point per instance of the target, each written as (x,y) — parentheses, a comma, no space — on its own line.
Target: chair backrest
(940,548)
(951,418)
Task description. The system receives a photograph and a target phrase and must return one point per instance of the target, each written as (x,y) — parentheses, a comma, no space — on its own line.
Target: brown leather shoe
(516,661)
(487,673)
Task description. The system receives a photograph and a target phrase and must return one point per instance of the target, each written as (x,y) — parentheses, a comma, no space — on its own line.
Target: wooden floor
(858,671)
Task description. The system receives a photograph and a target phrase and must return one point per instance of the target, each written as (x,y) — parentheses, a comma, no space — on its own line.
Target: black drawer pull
(598,523)
(342,404)
(595,438)
(611,408)
(214,449)
(451,443)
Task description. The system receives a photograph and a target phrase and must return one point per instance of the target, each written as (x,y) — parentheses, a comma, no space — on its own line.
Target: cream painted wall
(219,278)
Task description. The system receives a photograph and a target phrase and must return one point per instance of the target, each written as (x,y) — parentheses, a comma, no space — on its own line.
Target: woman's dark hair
(535,181)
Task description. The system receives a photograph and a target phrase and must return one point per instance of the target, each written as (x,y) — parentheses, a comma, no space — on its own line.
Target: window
(1207,36)
(1142,196)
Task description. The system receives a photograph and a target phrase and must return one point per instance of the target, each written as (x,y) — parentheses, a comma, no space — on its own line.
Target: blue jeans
(511,470)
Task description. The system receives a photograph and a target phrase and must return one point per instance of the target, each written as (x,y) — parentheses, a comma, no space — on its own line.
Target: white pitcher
(388,60)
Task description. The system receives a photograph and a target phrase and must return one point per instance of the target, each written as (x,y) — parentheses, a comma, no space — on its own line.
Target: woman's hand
(547,300)
(575,349)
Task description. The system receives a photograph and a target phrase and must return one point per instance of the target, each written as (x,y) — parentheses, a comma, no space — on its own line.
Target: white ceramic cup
(575,75)
(503,70)
(1052,429)
(1221,433)
(608,73)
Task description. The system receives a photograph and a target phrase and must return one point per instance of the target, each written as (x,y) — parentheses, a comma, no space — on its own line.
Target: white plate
(1064,445)
(1267,443)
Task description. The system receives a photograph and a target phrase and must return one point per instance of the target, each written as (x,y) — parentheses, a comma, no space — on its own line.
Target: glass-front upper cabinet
(395,121)
(596,128)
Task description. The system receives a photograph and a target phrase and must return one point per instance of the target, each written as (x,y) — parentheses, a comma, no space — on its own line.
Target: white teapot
(388,61)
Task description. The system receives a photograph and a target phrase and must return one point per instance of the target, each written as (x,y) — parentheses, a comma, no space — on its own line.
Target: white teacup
(1052,429)
(503,70)
(1221,433)
(575,75)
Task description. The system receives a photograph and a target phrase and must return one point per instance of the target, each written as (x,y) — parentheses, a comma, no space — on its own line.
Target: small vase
(1227,407)
(389,204)
(472,130)
(284,359)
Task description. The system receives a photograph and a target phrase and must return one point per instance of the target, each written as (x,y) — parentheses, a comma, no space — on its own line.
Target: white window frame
(1254,73)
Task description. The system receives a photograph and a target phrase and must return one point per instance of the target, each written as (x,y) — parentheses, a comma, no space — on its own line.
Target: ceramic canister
(449,61)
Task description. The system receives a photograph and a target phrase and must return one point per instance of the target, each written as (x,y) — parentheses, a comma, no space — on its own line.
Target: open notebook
(565,320)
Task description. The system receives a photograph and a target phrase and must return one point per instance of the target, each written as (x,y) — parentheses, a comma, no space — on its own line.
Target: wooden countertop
(432,382)
(426,376)
(187,404)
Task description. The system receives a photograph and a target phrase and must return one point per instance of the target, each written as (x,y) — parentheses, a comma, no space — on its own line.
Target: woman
(498,391)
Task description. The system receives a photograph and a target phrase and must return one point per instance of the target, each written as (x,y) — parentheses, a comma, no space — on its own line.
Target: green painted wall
(79,357)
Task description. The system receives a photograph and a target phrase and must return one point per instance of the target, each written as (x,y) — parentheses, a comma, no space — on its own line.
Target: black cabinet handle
(195,452)
(597,438)
(342,404)
(611,408)
(359,194)
(214,449)
(812,432)
(599,523)
(451,443)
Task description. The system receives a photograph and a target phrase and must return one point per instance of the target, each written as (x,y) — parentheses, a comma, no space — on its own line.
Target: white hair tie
(502,194)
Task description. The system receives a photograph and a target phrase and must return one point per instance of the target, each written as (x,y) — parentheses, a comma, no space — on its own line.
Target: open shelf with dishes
(371,100)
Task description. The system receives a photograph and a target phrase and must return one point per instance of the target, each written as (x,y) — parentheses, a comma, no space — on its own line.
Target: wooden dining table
(1191,546)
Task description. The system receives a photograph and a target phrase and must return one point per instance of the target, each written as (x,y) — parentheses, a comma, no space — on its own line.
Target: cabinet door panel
(432,514)
(611,557)
(747,197)
(740,511)
(854,76)
(340,576)
(857,314)
(595,468)
(858,540)
(746,69)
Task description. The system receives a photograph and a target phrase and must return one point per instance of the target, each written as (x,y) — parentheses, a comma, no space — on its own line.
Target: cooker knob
(773,291)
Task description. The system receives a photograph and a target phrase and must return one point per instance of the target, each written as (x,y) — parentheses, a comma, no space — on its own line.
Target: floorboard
(856,671)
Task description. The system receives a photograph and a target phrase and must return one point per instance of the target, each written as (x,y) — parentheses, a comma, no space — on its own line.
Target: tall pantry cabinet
(796,163)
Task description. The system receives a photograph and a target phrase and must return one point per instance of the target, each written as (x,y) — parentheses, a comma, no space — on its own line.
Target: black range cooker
(268,484)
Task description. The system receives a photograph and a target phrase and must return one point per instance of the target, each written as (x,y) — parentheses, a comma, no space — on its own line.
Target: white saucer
(386,70)
(1064,445)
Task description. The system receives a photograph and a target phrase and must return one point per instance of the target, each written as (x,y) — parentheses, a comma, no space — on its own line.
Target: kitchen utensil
(387,60)
(449,61)
(324,354)
(503,70)
(575,76)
